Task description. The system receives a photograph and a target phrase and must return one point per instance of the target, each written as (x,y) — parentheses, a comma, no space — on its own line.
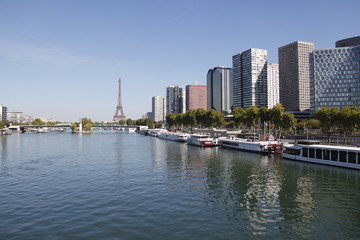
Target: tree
(38,121)
(129,122)
(1,125)
(251,116)
(86,124)
(149,122)
(328,118)
(200,115)
(74,126)
(122,122)
(214,118)
(171,120)
(239,116)
(287,121)
(347,120)
(190,118)
(180,120)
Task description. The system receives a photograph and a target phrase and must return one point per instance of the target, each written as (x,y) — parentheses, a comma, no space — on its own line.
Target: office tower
(158,109)
(175,99)
(294,75)
(273,84)
(335,76)
(196,97)
(348,42)
(250,78)
(3,114)
(219,89)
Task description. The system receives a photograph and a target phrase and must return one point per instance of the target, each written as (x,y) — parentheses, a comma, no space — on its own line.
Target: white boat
(250,145)
(5,131)
(340,156)
(156,132)
(201,140)
(130,130)
(174,136)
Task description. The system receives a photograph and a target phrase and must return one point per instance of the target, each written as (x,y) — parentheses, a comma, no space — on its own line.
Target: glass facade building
(335,77)
(219,89)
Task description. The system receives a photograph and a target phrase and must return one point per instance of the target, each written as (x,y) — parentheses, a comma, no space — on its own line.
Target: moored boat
(340,156)
(5,131)
(174,136)
(201,140)
(156,132)
(243,144)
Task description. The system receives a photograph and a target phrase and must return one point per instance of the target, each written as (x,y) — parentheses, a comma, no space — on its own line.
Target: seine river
(113,185)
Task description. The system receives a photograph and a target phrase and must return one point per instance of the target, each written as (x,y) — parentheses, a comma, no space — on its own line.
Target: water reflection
(3,157)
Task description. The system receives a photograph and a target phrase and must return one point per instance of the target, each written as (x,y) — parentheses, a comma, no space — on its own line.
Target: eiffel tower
(119,107)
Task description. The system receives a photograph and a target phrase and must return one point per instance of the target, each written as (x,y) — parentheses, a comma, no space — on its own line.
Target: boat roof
(322,146)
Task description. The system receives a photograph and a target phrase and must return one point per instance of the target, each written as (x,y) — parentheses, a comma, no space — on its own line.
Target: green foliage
(1,125)
(149,122)
(74,126)
(122,122)
(171,120)
(328,118)
(190,118)
(251,116)
(238,115)
(287,121)
(38,121)
(86,124)
(214,118)
(200,116)
(129,121)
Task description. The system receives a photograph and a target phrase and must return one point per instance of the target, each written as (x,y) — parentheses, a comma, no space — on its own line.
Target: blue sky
(61,59)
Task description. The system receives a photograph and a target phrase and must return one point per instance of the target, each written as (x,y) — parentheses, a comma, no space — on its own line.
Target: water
(113,185)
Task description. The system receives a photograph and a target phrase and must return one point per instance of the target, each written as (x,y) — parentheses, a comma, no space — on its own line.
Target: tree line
(273,119)
(345,120)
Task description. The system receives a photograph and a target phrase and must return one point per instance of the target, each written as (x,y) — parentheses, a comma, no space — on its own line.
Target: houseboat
(250,145)
(201,140)
(174,136)
(340,156)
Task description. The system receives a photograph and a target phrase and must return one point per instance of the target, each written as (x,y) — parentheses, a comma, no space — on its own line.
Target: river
(114,185)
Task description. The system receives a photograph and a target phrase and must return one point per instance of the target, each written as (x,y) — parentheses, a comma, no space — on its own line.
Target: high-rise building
(294,75)
(250,78)
(3,114)
(273,84)
(175,99)
(348,42)
(196,97)
(335,76)
(158,109)
(219,89)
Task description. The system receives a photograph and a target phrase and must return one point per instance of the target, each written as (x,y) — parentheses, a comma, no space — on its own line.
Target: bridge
(68,125)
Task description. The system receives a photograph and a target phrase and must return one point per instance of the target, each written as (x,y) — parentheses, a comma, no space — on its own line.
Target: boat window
(305,152)
(318,153)
(352,157)
(334,155)
(292,151)
(326,155)
(342,156)
(311,153)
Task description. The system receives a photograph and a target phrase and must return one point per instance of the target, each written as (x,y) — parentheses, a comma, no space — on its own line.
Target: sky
(61,59)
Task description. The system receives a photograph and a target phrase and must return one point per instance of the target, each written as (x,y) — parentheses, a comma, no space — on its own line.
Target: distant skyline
(62,59)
